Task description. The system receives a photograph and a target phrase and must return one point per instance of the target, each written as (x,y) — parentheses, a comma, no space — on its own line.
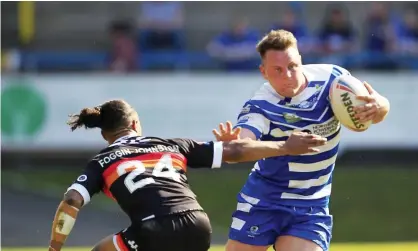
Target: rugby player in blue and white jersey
(284,201)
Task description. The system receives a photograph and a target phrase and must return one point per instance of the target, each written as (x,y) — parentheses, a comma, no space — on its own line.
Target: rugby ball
(342,94)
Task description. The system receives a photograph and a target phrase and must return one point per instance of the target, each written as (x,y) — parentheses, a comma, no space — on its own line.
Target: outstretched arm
(241,145)
(64,219)
(212,154)
(243,150)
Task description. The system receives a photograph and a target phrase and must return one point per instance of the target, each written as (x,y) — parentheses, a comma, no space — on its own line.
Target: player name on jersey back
(303,180)
(126,151)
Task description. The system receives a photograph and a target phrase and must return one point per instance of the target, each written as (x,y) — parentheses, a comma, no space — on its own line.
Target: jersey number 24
(163,168)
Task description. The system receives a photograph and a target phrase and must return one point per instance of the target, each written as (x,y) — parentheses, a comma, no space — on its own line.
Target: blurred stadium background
(186,66)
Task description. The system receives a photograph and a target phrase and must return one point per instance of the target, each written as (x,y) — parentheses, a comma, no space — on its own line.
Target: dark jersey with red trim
(146,176)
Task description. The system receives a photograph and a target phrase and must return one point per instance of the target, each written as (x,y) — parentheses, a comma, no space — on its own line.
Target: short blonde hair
(276,40)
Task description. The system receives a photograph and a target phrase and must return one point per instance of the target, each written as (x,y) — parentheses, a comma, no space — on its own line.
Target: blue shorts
(260,226)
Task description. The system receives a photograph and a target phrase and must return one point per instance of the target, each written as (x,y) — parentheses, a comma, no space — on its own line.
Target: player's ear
(133,125)
(263,70)
(136,126)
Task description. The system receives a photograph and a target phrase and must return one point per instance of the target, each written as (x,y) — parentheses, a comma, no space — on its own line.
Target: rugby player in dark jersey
(146,176)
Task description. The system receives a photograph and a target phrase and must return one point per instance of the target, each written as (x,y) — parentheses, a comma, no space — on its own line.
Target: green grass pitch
(407,246)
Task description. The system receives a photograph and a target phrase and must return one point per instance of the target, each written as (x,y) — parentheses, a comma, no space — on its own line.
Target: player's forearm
(251,150)
(64,220)
(383,111)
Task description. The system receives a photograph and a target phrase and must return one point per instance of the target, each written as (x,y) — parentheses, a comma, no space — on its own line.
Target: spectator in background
(336,34)
(235,48)
(380,38)
(291,22)
(408,35)
(123,51)
(380,33)
(161,25)
(336,37)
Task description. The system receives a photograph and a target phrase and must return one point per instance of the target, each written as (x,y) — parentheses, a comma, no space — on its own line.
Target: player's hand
(301,142)
(375,109)
(226,133)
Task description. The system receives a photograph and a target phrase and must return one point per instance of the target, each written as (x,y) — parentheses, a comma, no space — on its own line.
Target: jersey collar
(125,137)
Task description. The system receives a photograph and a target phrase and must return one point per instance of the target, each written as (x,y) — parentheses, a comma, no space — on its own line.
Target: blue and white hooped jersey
(303,180)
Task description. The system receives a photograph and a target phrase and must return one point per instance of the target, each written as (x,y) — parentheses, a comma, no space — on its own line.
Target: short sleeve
(206,154)
(252,118)
(90,182)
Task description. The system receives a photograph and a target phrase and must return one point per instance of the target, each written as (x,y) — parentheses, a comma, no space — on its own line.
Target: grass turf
(390,246)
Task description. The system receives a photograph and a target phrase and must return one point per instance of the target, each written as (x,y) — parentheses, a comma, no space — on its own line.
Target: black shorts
(188,231)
